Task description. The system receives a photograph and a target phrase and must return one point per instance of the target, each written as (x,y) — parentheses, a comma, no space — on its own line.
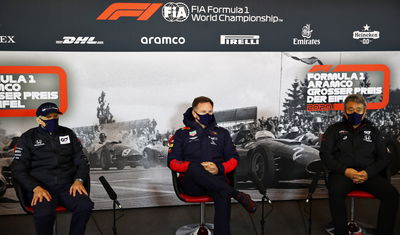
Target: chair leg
(352,209)
(202,229)
(55,226)
(197,229)
(353,227)
(202,213)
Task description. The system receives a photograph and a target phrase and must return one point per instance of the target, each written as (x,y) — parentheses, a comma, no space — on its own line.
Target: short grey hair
(357,98)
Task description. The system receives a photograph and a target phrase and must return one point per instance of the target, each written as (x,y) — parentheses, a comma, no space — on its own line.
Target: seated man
(50,165)
(354,153)
(205,153)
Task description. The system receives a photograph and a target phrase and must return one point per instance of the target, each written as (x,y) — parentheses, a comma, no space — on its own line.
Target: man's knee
(390,195)
(44,208)
(83,204)
(337,192)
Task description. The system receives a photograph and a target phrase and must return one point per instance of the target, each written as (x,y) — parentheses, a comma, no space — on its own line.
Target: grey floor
(287,217)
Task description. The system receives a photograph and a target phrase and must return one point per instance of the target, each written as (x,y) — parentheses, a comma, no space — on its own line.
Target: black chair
(201,228)
(26,203)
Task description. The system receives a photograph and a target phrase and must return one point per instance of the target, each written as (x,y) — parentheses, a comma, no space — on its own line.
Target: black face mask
(205,119)
(354,118)
(51,125)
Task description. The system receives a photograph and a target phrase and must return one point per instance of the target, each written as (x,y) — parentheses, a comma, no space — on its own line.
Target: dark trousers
(340,185)
(198,181)
(45,213)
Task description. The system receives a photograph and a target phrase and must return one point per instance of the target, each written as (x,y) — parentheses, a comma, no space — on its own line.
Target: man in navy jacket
(204,152)
(51,167)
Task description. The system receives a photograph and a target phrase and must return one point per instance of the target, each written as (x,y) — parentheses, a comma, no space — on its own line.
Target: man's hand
(38,194)
(357,177)
(77,186)
(210,167)
(361,177)
(351,174)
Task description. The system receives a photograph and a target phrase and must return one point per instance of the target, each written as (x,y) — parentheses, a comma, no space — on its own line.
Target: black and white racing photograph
(124,115)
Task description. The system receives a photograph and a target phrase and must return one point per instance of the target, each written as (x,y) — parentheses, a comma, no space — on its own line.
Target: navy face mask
(51,125)
(205,119)
(354,118)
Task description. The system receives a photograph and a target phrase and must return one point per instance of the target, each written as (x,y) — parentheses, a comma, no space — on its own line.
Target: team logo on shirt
(343,132)
(193,138)
(17,153)
(65,139)
(38,143)
(193,133)
(367,136)
(213,139)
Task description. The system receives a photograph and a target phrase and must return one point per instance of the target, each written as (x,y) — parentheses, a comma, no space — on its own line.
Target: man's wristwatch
(79,179)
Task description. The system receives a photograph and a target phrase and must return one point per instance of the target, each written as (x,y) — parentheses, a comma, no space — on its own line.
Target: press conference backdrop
(277,72)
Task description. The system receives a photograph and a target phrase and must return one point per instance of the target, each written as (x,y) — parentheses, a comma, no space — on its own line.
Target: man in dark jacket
(205,153)
(355,155)
(51,167)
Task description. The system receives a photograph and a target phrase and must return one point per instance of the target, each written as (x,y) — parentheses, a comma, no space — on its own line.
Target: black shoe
(245,200)
(330,229)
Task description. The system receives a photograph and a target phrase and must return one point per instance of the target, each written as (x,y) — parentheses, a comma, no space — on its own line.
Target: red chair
(353,226)
(26,204)
(201,228)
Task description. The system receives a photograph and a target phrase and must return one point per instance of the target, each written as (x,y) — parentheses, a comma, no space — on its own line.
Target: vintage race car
(113,154)
(6,158)
(155,154)
(268,160)
(5,175)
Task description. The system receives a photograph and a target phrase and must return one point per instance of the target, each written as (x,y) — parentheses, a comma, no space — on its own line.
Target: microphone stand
(263,191)
(114,228)
(309,199)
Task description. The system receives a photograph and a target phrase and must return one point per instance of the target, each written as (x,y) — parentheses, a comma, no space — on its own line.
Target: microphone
(261,188)
(110,191)
(313,185)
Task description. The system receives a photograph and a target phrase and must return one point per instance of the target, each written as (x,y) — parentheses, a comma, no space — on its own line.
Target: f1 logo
(143,11)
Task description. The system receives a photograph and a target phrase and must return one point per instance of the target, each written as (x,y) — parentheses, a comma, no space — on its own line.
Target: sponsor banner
(328,85)
(24,88)
(240,39)
(127,26)
(366,35)
(68,40)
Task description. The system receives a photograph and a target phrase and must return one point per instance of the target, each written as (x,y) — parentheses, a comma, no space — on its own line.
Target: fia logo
(65,139)
(175,12)
(38,143)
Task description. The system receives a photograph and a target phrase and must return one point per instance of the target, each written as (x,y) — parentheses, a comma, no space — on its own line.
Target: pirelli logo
(141,11)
